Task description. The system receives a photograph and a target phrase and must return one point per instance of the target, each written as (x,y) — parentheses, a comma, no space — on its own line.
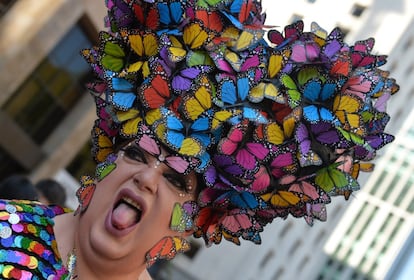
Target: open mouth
(126,213)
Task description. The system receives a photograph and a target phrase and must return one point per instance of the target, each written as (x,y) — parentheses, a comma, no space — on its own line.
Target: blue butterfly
(315,91)
(233,92)
(170,14)
(242,200)
(195,135)
(123,95)
(315,114)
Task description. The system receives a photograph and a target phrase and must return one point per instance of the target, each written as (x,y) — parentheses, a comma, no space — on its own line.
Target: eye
(177,181)
(134,153)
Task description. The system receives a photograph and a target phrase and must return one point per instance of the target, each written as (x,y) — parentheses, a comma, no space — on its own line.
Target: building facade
(364,238)
(45,114)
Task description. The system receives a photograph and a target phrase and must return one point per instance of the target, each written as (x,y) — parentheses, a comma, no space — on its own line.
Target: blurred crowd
(47,191)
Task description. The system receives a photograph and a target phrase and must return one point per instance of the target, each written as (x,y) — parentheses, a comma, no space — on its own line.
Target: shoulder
(28,244)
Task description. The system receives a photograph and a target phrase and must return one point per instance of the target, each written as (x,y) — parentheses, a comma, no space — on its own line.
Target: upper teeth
(132,202)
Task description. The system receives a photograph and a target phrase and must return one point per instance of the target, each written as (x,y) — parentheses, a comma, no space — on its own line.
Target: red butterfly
(156,92)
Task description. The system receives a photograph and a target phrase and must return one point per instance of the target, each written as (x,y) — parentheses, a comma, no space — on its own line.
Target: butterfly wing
(167,248)
(85,193)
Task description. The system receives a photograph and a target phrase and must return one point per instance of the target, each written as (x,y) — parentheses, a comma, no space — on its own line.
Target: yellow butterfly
(144,45)
(194,35)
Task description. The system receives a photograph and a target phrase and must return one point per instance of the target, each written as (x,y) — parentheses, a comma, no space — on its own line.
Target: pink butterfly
(246,154)
(236,222)
(305,52)
(282,164)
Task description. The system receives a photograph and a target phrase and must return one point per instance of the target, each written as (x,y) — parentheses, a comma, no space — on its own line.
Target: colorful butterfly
(305,52)
(122,94)
(247,154)
(182,216)
(145,45)
(104,168)
(283,163)
(283,199)
(130,121)
(105,117)
(224,165)
(210,19)
(170,13)
(361,55)
(147,15)
(198,57)
(167,248)
(347,109)
(196,104)
(102,144)
(112,52)
(272,132)
(241,200)
(156,92)
(85,193)
(206,222)
(194,35)
(235,222)
(372,143)
(334,181)
(183,80)
(292,91)
(148,143)
(188,139)
(306,155)
(175,49)
(291,33)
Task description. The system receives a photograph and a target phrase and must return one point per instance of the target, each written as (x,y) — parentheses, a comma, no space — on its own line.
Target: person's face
(132,206)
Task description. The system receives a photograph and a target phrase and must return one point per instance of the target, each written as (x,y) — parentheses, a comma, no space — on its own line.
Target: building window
(82,163)
(357,10)
(311,1)
(53,89)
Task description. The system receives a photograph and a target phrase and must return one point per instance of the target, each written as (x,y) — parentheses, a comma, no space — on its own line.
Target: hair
(52,190)
(17,187)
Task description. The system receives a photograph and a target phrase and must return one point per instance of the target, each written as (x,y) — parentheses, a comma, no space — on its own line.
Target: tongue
(124,216)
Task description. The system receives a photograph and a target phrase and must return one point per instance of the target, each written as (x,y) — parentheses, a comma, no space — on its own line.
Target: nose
(147,179)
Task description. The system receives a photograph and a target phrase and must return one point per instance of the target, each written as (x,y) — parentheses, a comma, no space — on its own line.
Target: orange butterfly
(85,193)
(167,248)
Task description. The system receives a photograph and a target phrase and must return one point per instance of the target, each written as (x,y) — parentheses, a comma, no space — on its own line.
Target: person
(51,192)
(205,128)
(17,186)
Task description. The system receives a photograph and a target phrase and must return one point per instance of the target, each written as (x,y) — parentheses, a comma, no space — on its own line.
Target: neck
(89,263)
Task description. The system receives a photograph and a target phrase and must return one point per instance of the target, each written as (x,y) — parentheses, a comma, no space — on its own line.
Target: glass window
(53,89)
(82,164)
(357,10)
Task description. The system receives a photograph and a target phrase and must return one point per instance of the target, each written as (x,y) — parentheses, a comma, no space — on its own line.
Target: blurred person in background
(51,192)
(18,186)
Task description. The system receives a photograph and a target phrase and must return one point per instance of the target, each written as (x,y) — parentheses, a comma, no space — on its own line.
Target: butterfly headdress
(275,122)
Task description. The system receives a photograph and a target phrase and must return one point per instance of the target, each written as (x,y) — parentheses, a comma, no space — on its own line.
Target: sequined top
(28,249)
